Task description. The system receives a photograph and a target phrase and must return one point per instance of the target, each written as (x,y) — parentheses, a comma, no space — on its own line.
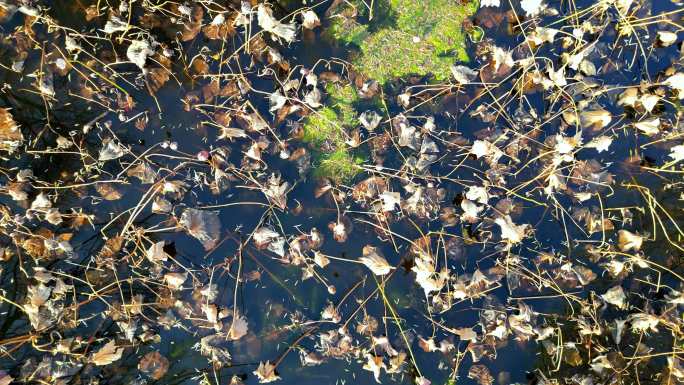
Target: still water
(273,293)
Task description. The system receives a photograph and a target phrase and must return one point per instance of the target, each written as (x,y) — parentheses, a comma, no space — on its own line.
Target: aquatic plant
(327,131)
(423,37)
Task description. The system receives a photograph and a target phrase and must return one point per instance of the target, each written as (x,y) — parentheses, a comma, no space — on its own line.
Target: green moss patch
(425,37)
(340,165)
(326,132)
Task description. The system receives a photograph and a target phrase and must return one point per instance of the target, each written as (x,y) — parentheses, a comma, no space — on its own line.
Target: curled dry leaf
(511,232)
(629,241)
(138,52)
(111,150)
(10,134)
(370,120)
(107,354)
(340,229)
(600,143)
(643,322)
(238,327)
(666,38)
(310,19)
(595,119)
(676,82)
(616,296)
(481,374)
(466,334)
(463,74)
(677,153)
(156,253)
(175,280)
(532,7)
(374,261)
(276,192)
(648,127)
(269,23)
(374,364)
(266,372)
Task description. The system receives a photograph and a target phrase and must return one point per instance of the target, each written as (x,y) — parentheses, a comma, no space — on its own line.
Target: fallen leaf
(629,241)
(271,24)
(154,365)
(310,19)
(238,328)
(666,38)
(463,74)
(107,354)
(266,372)
(649,127)
(138,51)
(156,253)
(204,225)
(374,261)
(374,364)
(10,134)
(531,7)
(510,231)
(616,296)
(175,280)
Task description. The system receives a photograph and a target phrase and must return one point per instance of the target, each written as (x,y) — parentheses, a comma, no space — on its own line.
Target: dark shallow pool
(105,142)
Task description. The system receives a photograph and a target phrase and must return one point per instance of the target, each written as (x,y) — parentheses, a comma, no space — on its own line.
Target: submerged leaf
(154,365)
(238,328)
(203,225)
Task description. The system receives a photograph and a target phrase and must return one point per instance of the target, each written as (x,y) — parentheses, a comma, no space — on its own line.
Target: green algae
(326,132)
(347,31)
(340,165)
(423,37)
(405,37)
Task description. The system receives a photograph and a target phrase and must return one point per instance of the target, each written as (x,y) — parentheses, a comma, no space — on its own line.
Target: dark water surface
(269,302)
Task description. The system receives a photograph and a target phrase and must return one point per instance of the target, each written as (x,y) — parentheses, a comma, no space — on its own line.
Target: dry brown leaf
(154,365)
(481,374)
(10,134)
(156,78)
(107,354)
(194,26)
(629,241)
(266,372)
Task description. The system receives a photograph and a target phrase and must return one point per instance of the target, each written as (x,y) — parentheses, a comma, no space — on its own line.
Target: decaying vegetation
(204,192)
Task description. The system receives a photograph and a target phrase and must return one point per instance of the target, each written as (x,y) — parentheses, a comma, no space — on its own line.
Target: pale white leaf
(374,261)
(616,296)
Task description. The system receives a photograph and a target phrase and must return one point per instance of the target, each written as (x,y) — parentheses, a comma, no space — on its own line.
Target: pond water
(529,302)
